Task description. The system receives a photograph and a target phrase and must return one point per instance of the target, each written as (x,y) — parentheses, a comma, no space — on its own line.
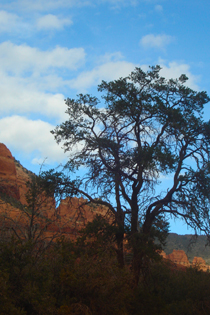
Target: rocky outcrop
(8,175)
(163,254)
(200,263)
(179,257)
(23,176)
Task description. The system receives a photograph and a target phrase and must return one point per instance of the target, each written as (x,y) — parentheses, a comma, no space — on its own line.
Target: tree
(146,129)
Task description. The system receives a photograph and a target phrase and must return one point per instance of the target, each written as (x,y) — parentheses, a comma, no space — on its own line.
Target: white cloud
(21,58)
(156,41)
(112,70)
(31,136)
(108,71)
(50,21)
(13,24)
(8,21)
(21,96)
(29,83)
(175,69)
(28,86)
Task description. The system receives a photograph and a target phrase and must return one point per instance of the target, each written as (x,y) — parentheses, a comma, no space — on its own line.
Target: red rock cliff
(71,215)
(75,213)
(8,175)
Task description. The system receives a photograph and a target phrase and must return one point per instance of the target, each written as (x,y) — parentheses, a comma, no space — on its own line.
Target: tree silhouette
(145,129)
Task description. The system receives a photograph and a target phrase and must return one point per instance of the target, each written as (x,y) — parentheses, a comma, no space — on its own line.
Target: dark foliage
(72,279)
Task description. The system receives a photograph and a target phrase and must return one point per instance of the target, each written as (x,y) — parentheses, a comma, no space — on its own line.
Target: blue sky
(51,50)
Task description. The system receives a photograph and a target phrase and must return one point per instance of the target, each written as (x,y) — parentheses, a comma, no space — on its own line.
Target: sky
(54,49)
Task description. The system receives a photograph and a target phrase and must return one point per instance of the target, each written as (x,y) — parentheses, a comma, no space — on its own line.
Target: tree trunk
(120,238)
(120,220)
(120,249)
(140,254)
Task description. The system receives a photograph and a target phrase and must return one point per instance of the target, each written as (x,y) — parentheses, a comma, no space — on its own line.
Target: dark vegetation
(84,277)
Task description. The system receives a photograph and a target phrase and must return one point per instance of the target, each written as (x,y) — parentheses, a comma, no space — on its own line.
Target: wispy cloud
(51,5)
(41,6)
(156,41)
(110,70)
(50,21)
(11,23)
(158,8)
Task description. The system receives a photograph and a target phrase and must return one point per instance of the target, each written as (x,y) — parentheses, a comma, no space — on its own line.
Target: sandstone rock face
(8,176)
(75,213)
(23,176)
(200,263)
(179,257)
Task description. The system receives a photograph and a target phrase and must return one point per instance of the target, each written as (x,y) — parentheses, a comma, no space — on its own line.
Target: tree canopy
(145,128)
